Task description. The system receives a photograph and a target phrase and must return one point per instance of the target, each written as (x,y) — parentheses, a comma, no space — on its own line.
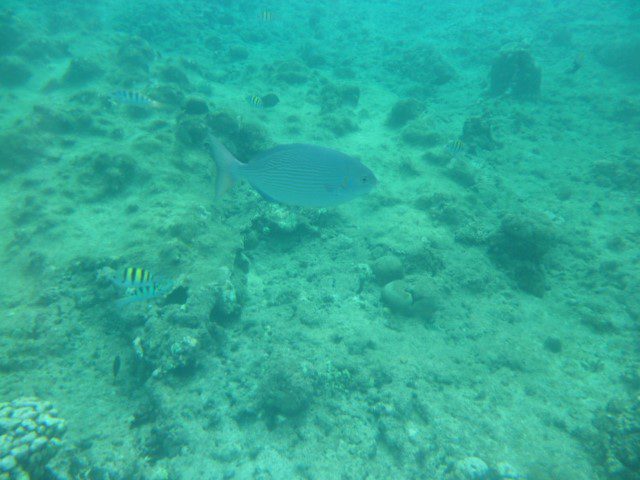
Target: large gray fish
(296,174)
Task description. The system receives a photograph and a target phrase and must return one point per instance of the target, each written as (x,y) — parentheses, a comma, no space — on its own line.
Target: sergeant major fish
(141,285)
(128,97)
(255,101)
(296,174)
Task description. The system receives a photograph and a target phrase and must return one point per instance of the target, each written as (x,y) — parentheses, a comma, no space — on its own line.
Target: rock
(195,106)
(403,112)
(291,73)
(339,125)
(553,345)
(334,97)
(519,246)
(618,440)
(526,236)
(426,298)
(471,468)
(135,54)
(476,134)
(19,150)
(108,175)
(420,64)
(506,471)
(43,48)
(80,71)
(223,124)
(284,389)
(417,134)
(13,73)
(167,94)
(515,73)
(173,74)
(270,100)
(397,296)
(237,53)
(387,268)
(191,131)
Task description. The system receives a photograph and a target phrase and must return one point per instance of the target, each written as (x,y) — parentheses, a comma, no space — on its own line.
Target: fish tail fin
(226,164)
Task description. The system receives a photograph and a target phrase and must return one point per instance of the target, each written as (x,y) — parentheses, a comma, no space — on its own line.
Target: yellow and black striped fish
(140,284)
(255,101)
(135,277)
(266,15)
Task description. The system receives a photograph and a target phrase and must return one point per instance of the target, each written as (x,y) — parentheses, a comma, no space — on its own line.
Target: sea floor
(475,317)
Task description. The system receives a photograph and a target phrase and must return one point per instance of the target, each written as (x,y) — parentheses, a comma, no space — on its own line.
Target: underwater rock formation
(284,390)
(416,296)
(422,65)
(403,111)
(195,106)
(518,248)
(418,133)
(30,436)
(13,73)
(470,468)
(135,54)
(79,72)
(387,268)
(618,443)
(476,134)
(175,75)
(334,97)
(514,72)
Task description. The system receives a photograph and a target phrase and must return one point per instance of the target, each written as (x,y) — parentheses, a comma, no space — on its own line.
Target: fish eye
(364,179)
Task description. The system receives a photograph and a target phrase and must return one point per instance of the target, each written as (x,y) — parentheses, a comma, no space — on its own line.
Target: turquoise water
(474,316)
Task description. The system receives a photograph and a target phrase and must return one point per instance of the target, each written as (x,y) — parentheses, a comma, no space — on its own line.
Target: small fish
(455,147)
(141,285)
(296,174)
(128,97)
(116,366)
(266,15)
(134,277)
(255,101)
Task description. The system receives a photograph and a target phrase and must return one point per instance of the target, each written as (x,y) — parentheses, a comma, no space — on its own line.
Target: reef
(518,247)
(515,73)
(414,296)
(422,65)
(419,133)
(617,445)
(403,111)
(476,134)
(333,97)
(30,436)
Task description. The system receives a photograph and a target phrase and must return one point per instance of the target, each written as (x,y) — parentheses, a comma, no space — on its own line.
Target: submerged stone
(515,73)
(403,112)
(195,106)
(387,268)
(80,71)
(397,297)
(13,73)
